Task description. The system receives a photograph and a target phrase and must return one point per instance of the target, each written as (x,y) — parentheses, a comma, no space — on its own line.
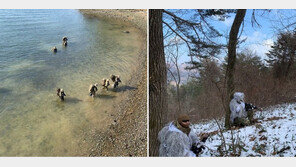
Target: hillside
(273,135)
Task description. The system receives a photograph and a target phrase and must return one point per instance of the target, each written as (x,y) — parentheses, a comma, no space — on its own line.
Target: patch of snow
(273,135)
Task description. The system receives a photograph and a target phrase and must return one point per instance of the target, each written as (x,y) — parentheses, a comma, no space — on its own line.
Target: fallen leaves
(263,138)
(252,138)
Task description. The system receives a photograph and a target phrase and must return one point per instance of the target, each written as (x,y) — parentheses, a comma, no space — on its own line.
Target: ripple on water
(33,121)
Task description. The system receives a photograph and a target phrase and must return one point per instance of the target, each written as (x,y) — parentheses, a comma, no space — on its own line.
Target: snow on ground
(273,135)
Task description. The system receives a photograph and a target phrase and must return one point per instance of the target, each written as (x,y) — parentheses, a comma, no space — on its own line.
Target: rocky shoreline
(135,17)
(127,135)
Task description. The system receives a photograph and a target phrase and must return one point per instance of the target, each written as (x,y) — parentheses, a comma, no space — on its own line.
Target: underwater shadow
(105,96)
(5,91)
(124,88)
(72,100)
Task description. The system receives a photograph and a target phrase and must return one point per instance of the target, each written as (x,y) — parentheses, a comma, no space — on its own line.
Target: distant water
(33,121)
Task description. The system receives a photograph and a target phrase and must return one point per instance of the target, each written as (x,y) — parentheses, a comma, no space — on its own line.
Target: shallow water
(33,121)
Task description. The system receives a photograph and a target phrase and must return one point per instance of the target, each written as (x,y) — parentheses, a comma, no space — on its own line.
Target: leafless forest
(203,86)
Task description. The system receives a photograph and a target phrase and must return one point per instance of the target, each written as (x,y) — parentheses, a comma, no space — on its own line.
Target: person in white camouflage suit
(241,112)
(178,140)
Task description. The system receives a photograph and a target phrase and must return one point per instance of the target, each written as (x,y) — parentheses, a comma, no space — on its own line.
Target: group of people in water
(178,140)
(65,43)
(93,88)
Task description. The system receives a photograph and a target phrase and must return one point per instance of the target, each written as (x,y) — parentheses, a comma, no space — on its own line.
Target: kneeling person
(241,112)
(178,140)
(249,107)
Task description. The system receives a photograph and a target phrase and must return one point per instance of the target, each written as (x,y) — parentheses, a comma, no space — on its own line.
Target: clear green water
(33,121)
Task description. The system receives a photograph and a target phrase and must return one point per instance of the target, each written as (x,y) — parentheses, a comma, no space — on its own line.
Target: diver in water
(58,92)
(54,49)
(61,94)
(105,83)
(65,41)
(115,79)
(93,88)
(117,82)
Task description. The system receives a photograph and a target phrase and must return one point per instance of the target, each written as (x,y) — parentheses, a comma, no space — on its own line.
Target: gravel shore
(127,135)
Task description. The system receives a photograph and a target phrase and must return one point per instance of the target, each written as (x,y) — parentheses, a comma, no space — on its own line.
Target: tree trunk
(239,17)
(179,78)
(158,105)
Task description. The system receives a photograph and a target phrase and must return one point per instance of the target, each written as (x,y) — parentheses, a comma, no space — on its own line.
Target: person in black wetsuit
(105,83)
(61,94)
(54,49)
(93,88)
(65,41)
(115,79)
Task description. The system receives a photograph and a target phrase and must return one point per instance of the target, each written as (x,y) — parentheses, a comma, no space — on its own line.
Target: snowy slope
(273,135)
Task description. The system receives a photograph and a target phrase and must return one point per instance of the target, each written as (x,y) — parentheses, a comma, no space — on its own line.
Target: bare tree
(195,29)
(157,79)
(173,66)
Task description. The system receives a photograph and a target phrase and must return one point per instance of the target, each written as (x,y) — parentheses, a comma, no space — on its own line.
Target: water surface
(33,121)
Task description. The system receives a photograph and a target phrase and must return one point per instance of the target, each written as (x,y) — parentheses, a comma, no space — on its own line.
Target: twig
(283,149)
(222,136)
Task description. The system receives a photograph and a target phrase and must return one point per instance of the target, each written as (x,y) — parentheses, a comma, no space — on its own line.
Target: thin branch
(222,136)
(253,20)
(179,18)
(187,43)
